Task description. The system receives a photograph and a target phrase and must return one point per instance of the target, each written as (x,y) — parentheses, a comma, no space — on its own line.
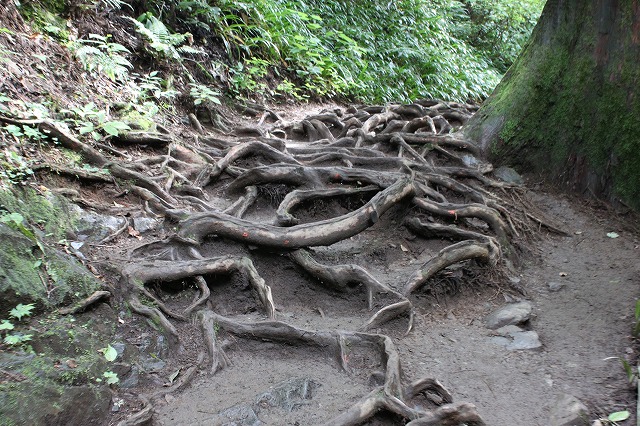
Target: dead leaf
(403,248)
(563,274)
(71,363)
(173,375)
(134,233)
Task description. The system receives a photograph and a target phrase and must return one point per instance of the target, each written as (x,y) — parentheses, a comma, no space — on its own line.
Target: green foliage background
(372,51)
(364,50)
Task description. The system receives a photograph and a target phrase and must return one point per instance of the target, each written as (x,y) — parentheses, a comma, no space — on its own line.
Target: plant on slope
(97,53)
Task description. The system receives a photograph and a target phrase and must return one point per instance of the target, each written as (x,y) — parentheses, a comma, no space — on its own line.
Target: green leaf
(612,235)
(114,127)
(13,129)
(87,127)
(112,378)
(16,218)
(110,354)
(618,416)
(16,339)
(6,325)
(638,309)
(21,311)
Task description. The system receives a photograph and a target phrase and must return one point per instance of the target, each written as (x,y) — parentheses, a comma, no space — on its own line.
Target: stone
(287,395)
(94,227)
(514,338)
(132,379)
(508,175)
(524,340)
(20,281)
(555,286)
(469,160)
(569,411)
(145,224)
(238,415)
(511,314)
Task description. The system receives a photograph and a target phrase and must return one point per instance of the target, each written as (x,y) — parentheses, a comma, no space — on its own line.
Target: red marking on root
(245,234)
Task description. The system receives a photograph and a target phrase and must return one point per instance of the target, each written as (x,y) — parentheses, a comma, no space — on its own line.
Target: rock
(524,340)
(514,338)
(569,411)
(145,224)
(511,314)
(33,394)
(555,286)
(470,160)
(508,175)
(119,347)
(20,279)
(288,395)
(132,379)
(238,415)
(94,227)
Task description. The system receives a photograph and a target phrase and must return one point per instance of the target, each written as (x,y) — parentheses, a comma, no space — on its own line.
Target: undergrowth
(368,51)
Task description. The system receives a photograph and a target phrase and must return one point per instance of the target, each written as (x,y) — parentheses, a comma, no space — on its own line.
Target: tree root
(324,233)
(144,138)
(156,317)
(391,396)
(464,250)
(401,156)
(141,417)
(140,273)
(85,303)
(340,277)
(202,299)
(285,218)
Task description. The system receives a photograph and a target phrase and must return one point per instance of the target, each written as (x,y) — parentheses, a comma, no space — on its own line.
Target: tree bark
(568,107)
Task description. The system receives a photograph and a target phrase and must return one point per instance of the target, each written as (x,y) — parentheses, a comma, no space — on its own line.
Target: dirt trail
(584,326)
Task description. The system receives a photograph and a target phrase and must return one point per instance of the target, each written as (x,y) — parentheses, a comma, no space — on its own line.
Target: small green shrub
(98,54)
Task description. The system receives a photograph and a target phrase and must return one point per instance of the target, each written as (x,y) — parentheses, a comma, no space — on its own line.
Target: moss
(138,121)
(569,105)
(46,15)
(23,279)
(51,213)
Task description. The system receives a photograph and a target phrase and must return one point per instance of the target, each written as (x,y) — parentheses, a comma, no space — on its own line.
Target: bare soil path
(584,327)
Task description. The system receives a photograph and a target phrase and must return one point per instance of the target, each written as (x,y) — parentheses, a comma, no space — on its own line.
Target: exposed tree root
(296,197)
(85,303)
(340,277)
(390,397)
(401,158)
(139,273)
(464,250)
(198,226)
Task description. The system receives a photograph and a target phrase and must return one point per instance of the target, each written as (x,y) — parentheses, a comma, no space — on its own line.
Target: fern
(162,42)
(98,54)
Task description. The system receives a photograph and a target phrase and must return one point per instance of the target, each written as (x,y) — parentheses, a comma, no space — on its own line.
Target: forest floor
(316,263)
(583,289)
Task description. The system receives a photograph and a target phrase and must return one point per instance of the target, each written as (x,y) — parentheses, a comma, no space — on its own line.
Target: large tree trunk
(570,105)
